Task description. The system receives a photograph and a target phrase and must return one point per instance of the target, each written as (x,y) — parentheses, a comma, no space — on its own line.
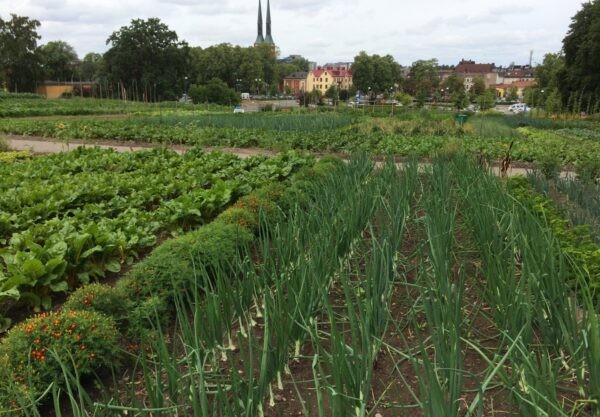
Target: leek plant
(349,341)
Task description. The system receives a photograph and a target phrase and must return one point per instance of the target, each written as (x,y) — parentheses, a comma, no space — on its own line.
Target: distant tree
(453,84)
(241,68)
(512,94)
(333,93)
(423,81)
(91,66)
(375,73)
(215,91)
(60,61)
(553,101)
(460,99)
(580,80)
(478,87)
(486,100)
(20,62)
(147,56)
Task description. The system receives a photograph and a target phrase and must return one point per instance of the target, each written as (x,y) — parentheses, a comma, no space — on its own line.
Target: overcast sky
(499,31)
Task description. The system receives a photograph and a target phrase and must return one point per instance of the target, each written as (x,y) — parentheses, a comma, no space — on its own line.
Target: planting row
(357,292)
(491,138)
(19,106)
(71,218)
(96,317)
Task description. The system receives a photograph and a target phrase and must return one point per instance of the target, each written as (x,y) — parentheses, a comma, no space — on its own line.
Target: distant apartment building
(515,73)
(469,71)
(323,78)
(295,83)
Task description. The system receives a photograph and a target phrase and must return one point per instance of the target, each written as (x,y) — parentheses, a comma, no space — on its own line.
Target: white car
(518,108)
(238,109)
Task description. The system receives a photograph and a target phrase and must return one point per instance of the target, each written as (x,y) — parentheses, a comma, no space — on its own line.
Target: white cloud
(484,30)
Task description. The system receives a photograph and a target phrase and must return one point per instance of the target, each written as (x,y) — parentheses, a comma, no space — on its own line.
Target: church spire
(259,38)
(269,38)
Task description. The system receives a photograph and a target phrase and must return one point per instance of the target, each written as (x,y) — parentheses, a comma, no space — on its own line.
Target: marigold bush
(111,301)
(33,353)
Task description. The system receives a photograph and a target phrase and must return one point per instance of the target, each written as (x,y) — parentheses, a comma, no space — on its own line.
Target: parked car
(518,108)
(238,109)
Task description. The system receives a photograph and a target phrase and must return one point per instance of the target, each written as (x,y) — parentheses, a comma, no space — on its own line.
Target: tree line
(569,80)
(145,61)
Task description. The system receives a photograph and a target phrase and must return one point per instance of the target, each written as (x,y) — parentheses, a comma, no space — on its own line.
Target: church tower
(269,38)
(259,38)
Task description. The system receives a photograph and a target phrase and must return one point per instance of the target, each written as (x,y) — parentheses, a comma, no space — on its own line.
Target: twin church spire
(267,39)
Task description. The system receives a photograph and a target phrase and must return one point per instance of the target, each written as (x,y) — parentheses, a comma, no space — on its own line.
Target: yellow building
(51,89)
(321,79)
(503,89)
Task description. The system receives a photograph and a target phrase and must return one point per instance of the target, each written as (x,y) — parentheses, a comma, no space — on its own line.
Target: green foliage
(150,54)
(478,87)
(34,353)
(379,73)
(66,220)
(582,56)
(91,66)
(553,101)
(576,242)
(19,56)
(460,99)
(215,91)
(102,298)
(486,100)
(175,264)
(424,80)
(550,165)
(22,105)
(454,84)
(512,94)
(3,145)
(240,216)
(60,61)
(404,99)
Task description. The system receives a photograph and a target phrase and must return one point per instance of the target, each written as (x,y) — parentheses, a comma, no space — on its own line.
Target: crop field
(405,133)
(349,291)
(18,106)
(69,219)
(154,283)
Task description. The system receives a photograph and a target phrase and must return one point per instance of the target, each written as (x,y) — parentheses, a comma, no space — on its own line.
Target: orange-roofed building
(322,78)
(503,89)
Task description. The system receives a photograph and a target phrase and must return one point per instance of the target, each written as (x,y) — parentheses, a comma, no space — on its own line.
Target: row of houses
(502,79)
(499,78)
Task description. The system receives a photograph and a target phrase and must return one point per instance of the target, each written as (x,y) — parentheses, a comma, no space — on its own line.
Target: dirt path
(40,145)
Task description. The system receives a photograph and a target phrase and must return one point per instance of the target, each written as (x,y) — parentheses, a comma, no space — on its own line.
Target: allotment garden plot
(71,218)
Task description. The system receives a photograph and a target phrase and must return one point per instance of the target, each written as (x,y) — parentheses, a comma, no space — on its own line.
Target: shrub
(261,204)
(215,91)
(110,301)
(33,353)
(176,263)
(550,165)
(3,145)
(240,216)
(149,313)
(588,170)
